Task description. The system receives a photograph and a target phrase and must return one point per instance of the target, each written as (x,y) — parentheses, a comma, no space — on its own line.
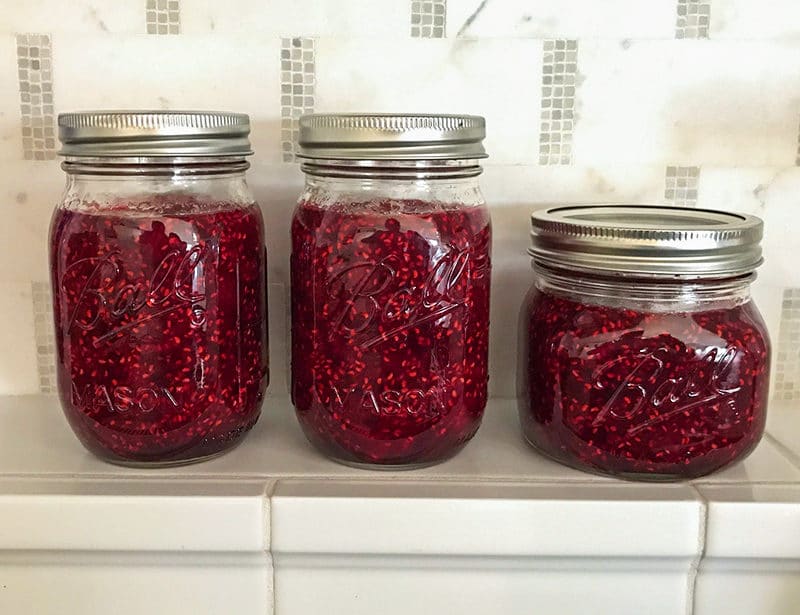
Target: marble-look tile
(686,103)
(748,19)
(783,426)
(562,18)
(18,374)
(276,188)
(499,79)
(767,192)
(221,73)
(10,119)
(29,190)
(76,16)
(766,464)
(285,17)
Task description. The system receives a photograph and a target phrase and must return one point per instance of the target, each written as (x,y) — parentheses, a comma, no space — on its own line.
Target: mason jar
(159,291)
(643,354)
(390,274)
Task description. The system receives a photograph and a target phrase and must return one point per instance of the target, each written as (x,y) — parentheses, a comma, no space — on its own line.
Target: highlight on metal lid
(647,240)
(154,133)
(391,136)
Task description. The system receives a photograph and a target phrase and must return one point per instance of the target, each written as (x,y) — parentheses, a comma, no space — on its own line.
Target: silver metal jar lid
(154,133)
(391,136)
(649,241)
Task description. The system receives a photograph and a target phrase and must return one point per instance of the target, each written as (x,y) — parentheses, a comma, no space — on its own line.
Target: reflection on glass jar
(642,354)
(390,293)
(158,271)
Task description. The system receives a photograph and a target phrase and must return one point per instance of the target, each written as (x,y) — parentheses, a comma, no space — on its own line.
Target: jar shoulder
(575,326)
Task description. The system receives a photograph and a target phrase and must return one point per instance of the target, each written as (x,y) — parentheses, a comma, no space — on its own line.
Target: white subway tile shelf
(278,528)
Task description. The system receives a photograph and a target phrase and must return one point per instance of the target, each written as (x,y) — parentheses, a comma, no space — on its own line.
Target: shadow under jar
(642,354)
(390,273)
(159,290)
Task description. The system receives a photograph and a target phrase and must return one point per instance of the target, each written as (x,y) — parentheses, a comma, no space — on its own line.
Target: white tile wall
(645,101)
(541,587)
(747,562)
(132,585)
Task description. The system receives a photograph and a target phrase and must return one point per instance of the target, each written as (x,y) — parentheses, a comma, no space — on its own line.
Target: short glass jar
(390,271)
(159,290)
(642,354)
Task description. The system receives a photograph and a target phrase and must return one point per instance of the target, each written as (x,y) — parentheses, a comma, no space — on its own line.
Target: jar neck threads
(645,294)
(392,169)
(154,166)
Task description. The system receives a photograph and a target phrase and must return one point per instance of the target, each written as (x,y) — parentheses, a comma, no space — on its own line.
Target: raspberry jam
(649,395)
(642,354)
(160,326)
(390,315)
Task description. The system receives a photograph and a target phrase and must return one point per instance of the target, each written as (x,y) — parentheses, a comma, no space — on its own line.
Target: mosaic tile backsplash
(685,102)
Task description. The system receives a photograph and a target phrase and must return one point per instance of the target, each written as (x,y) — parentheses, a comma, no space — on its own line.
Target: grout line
(266,513)
(229,477)
(269,489)
(382,477)
(694,566)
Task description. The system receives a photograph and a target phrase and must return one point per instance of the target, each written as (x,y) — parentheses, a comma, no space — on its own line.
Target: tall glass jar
(159,291)
(390,271)
(642,352)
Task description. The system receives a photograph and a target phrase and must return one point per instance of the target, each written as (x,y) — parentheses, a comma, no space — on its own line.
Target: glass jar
(642,353)
(390,273)
(159,291)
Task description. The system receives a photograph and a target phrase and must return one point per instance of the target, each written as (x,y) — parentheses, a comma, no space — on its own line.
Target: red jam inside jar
(663,377)
(390,314)
(641,394)
(160,326)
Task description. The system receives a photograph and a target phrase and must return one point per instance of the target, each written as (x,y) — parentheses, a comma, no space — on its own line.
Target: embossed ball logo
(104,303)
(368,299)
(650,385)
